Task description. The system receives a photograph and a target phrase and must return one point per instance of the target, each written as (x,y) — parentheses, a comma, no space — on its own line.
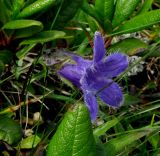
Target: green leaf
(21,53)
(74,136)
(67,12)
(17,5)
(101,130)
(19,24)
(107,26)
(131,100)
(10,131)
(155,53)
(2,66)
(93,25)
(36,7)
(99,147)
(30,142)
(139,22)
(129,46)
(104,9)
(90,11)
(124,8)
(154,140)
(44,36)
(38,76)
(6,56)
(117,145)
(5,12)
(23,28)
(146,6)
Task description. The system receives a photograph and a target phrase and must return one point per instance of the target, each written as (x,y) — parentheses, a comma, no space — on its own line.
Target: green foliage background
(42,113)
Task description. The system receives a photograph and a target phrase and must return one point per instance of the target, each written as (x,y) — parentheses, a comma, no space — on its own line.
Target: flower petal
(72,73)
(111,94)
(91,103)
(113,65)
(99,49)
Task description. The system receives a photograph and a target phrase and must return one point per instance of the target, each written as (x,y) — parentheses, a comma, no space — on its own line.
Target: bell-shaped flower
(92,76)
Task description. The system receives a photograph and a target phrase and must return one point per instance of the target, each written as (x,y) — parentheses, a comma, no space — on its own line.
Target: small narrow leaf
(44,36)
(139,22)
(124,8)
(74,136)
(117,145)
(21,53)
(101,130)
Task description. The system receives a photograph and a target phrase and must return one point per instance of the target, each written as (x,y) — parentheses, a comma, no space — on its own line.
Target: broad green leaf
(36,7)
(30,142)
(10,131)
(129,46)
(124,8)
(118,144)
(101,130)
(146,6)
(67,12)
(105,9)
(139,22)
(44,36)
(74,135)
(19,24)
(23,28)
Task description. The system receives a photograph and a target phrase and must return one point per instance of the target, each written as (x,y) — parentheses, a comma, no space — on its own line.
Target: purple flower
(92,76)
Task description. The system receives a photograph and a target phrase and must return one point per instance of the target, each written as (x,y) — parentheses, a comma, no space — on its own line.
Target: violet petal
(99,49)
(91,103)
(72,73)
(113,65)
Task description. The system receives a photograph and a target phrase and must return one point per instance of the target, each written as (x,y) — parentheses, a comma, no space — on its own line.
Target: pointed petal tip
(97,33)
(91,102)
(99,49)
